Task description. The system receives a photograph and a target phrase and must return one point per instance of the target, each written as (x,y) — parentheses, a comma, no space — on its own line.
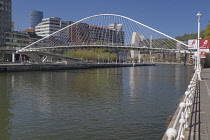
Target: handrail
(178,129)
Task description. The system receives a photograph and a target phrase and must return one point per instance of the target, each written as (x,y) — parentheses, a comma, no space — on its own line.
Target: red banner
(203,55)
(204,43)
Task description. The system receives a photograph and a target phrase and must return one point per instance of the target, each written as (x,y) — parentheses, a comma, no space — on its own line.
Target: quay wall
(47,67)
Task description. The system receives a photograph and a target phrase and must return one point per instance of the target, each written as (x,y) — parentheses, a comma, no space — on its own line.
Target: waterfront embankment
(199,118)
(46,67)
(172,63)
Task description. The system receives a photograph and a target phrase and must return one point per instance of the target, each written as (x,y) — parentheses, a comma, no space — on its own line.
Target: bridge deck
(200,119)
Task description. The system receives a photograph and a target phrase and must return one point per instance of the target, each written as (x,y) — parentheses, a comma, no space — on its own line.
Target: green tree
(186,37)
(183,59)
(207,32)
(92,54)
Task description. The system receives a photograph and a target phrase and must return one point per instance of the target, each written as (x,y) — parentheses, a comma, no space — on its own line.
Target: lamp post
(150,50)
(198,69)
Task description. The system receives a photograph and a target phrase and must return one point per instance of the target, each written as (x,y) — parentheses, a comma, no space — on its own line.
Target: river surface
(130,103)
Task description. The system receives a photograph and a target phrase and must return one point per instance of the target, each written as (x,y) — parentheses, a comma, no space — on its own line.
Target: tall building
(35,18)
(115,26)
(136,41)
(82,33)
(79,33)
(5,19)
(49,26)
(112,35)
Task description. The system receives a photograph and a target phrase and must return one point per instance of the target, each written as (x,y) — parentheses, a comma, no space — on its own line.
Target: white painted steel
(27,48)
(178,129)
(198,69)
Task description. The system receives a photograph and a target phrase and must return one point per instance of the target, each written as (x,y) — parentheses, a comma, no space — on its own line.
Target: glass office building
(35,18)
(5,19)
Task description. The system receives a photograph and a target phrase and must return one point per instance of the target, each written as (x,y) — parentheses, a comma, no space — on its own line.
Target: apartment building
(6,17)
(49,26)
(16,39)
(82,33)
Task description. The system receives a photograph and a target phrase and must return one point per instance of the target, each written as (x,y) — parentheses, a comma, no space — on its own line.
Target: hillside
(186,37)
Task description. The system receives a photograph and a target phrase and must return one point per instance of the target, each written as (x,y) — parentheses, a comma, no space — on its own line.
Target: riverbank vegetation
(93,54)
(205,34)
(186,37)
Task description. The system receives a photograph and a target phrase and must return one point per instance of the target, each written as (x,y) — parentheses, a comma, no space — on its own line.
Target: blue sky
(172,17)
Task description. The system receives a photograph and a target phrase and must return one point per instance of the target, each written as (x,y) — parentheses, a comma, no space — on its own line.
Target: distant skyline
(174,17)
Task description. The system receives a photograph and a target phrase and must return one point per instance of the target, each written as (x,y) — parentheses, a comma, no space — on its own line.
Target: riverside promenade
(199,128)
(199,120)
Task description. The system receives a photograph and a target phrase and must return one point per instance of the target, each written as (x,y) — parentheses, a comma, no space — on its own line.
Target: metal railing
(9,48)
(176,132)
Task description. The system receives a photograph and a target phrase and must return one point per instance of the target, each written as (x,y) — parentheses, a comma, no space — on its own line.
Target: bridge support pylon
(139,56)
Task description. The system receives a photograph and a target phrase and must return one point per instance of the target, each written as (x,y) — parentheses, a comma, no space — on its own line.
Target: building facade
(6,19)
(16,39)
(82,33)
(49,26)
(112,35)
(78,34)
(35,18)
(32,35)
(136,41)
(13,42)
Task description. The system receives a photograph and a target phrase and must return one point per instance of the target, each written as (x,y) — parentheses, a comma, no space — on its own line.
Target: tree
(186,37)
(207,32)
(92,54)
(183,59)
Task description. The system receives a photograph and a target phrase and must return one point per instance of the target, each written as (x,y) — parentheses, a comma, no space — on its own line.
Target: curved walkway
(200,119)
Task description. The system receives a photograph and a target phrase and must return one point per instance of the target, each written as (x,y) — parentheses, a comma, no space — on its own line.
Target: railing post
(184,112)
(171,133)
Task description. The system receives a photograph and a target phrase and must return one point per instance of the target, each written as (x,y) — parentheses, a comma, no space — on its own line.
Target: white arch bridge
(103,31)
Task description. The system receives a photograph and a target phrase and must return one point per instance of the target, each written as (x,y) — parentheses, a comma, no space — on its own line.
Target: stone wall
(48,67)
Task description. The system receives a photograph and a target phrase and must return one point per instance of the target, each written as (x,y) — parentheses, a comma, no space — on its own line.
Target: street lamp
(150,50)
(198,69)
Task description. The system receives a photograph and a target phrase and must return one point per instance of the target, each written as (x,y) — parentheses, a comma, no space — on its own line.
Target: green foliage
(207,32)
(170,59)
(93,54)
(186,37)
(183,59)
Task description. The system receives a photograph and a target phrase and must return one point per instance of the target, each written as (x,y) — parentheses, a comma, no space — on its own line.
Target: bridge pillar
(13,57)
(139,56)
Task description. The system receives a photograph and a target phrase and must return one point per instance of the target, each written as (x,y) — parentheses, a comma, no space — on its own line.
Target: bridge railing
(9,48)
(180,124)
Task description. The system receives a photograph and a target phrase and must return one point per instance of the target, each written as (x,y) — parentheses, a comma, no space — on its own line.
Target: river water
(91,104)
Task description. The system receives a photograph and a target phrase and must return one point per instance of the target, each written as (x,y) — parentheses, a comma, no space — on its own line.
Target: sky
(172,17)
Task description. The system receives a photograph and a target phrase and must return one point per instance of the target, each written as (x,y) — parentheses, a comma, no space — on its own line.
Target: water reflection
(132,83)
(5,107)
(113,103)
